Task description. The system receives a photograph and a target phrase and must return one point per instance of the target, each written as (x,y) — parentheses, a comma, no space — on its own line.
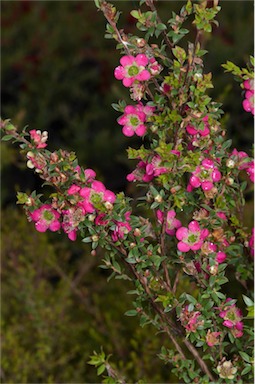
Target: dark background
(57,75)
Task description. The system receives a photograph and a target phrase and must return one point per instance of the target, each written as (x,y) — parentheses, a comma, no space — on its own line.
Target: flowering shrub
(191,229)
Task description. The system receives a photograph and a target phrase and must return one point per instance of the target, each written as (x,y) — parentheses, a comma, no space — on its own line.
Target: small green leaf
(248,301)
(131,312)
(245,356)
(7,137)
(100,369)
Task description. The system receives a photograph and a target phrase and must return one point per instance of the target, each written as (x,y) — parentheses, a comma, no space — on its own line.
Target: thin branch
(151,5)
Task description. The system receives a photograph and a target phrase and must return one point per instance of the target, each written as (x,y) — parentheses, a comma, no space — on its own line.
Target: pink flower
(39,138)
(204,176)
(191,238)
(97,193)
(232,317)
(154,67)
(212,338)
(248,103)
(221,257)
(45,218)
(221,215)
(122,228)
(146,171)
(201,132)
(251,242)
(171,222)
(72,217)
(242,161)
(190,319)
(73,189)
(133,121)
(132,69)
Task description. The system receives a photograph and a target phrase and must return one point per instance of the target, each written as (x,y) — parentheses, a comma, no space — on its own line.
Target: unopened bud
(91,218)
(140,42)
(30,154)
(149,197)
(93,252)
(229,181)
(30,201)
(158,199)
(154,128)
(198,76)
(94,238)
(230,163)
(108,205)
(175,189)
(30,164)
(137,232)
(132,245)
(214,270)
(54,157)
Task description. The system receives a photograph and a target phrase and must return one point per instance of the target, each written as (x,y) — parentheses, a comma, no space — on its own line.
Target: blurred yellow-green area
(57,75)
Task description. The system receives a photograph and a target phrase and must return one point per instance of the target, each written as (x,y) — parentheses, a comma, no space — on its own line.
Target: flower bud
(108,205)
(214,270)
(53,157)
(175,189)
(137,232)
(229,181)
(30,164)
(149,197)
(230,163)
(140,42)
(95,238)
(154,128)
(158,199)
(93,252)
(91,218)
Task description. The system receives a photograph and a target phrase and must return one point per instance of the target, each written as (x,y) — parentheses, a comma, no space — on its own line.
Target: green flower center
(192,238)
(48,216)
(231,315)
(133,70)
(134,121)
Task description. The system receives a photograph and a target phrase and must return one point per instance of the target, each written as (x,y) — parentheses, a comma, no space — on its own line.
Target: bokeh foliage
(57,75)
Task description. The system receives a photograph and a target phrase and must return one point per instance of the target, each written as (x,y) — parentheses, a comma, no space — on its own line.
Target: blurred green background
(57,75)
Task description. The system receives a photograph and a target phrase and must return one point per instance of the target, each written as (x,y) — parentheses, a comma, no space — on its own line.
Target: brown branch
(151,5)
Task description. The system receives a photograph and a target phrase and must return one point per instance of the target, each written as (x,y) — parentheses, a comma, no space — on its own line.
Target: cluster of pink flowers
(191,238)
(171,222)
(147,170)
(190,320)
(134,118)
(132,68)
(204,176)
(83,200)
(39,138)
(239,159)
(232,317)
(248,103)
